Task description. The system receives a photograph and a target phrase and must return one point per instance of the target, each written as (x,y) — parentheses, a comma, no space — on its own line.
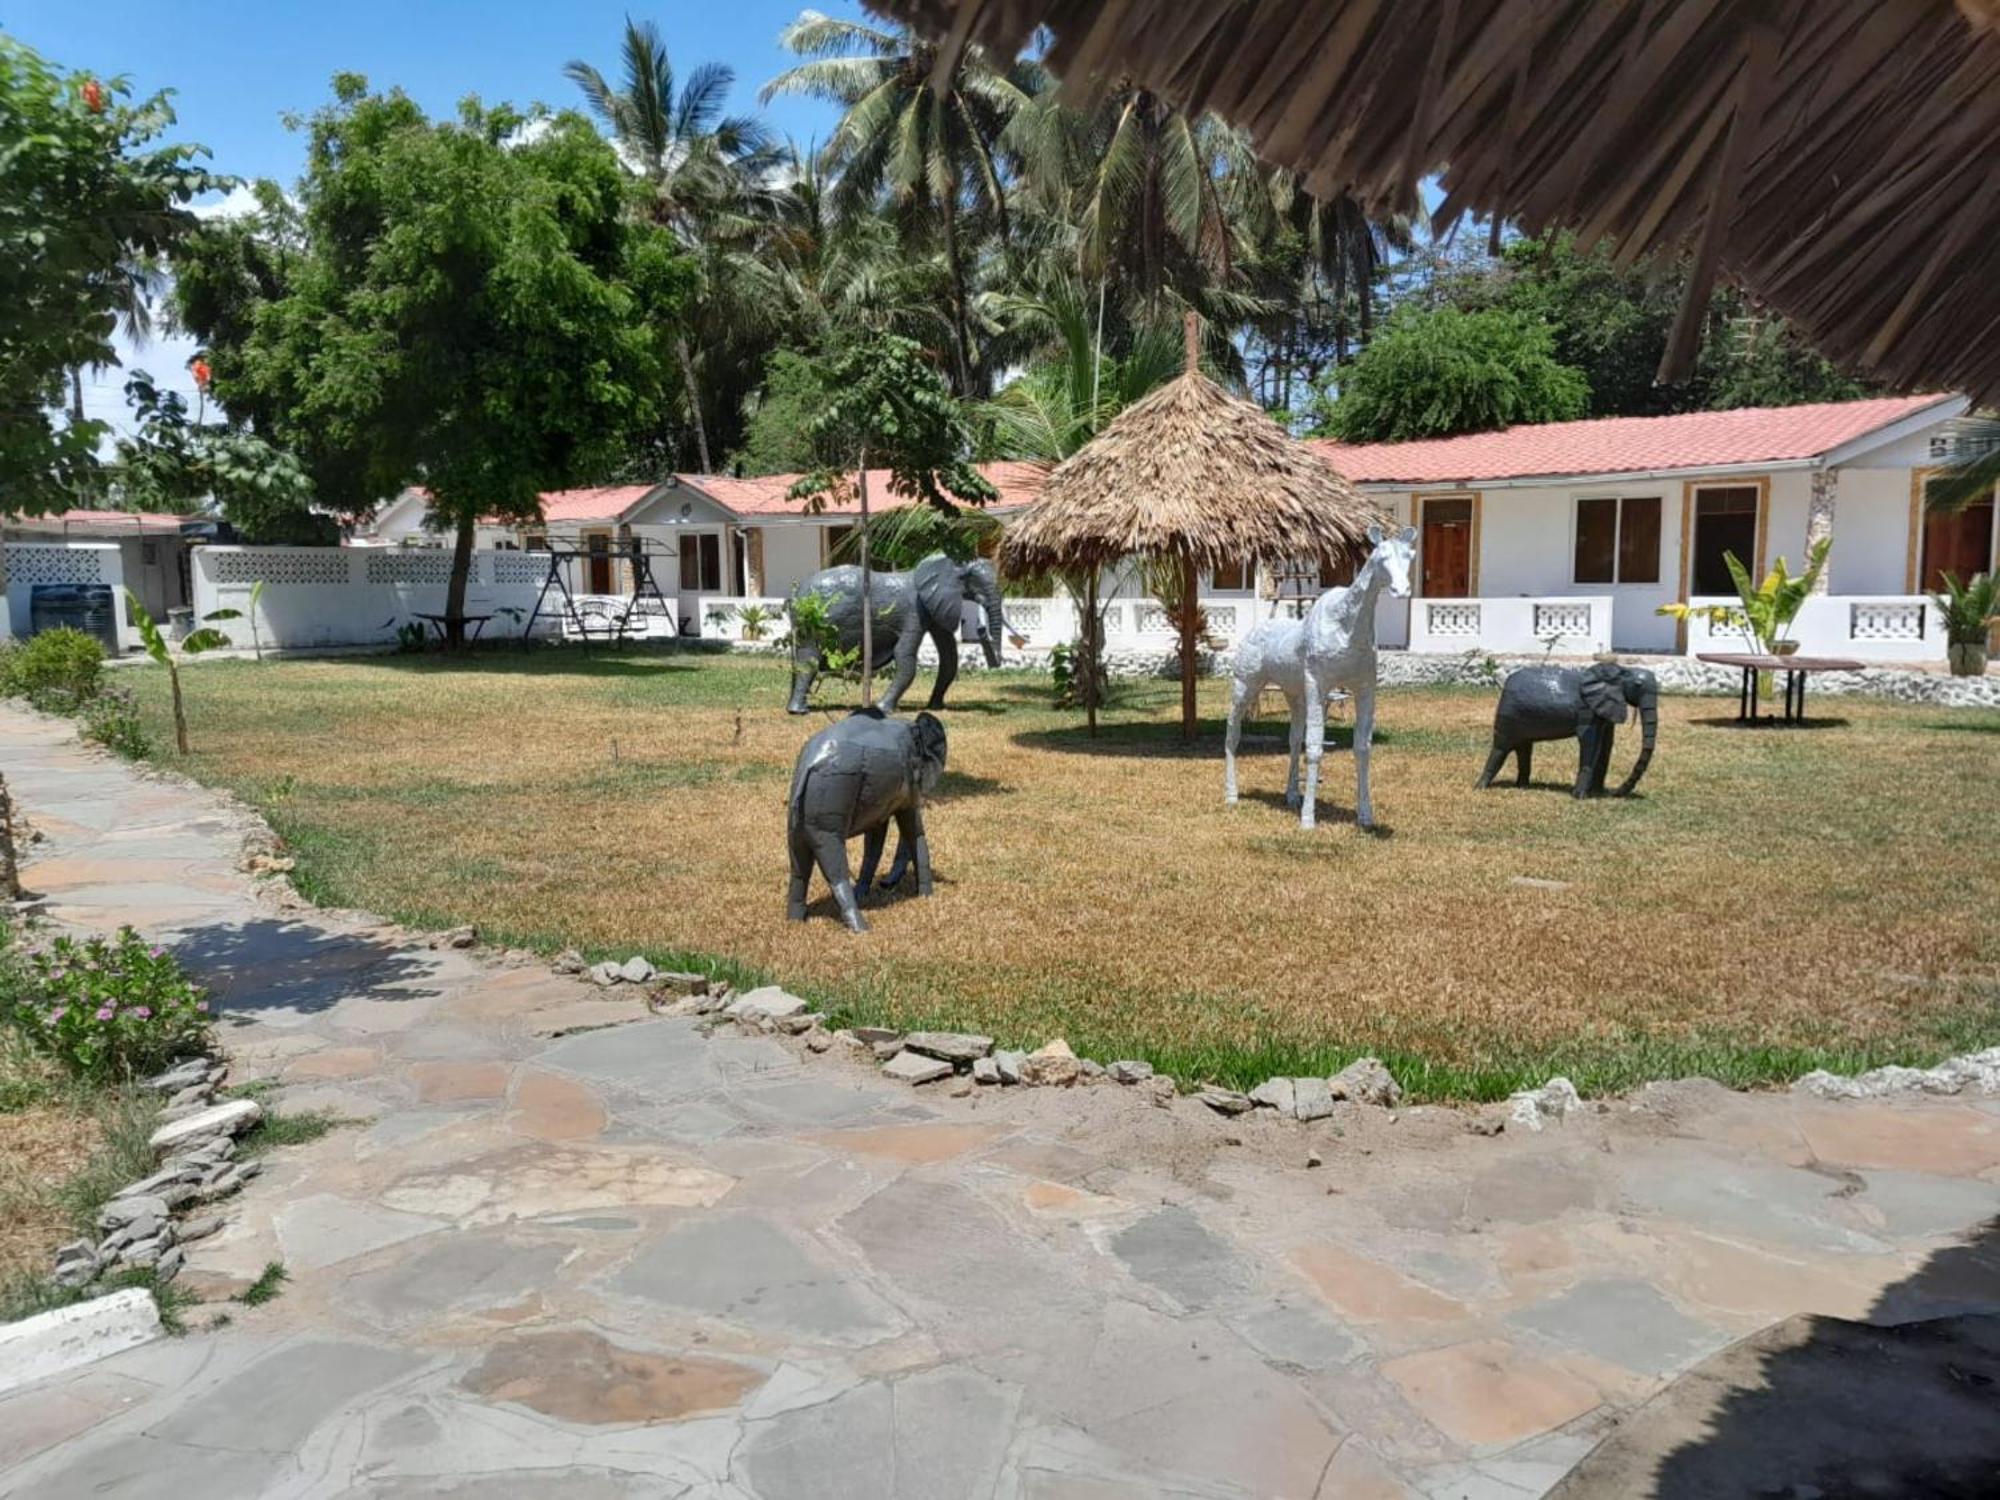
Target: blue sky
(239,66)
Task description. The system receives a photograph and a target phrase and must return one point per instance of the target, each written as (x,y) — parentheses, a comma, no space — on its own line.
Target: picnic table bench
(1796,669)
(439,622)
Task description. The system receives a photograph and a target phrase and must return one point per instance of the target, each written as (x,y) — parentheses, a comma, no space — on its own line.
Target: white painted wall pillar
(1819,519)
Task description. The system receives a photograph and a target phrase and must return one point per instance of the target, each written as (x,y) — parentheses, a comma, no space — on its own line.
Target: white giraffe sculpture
(1332,648)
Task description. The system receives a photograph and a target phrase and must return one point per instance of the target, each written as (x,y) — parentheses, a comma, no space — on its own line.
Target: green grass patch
(295,1129)
(269,1284)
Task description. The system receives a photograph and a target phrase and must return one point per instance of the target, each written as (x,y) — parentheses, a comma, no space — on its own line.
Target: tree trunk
(10,871)
(694,402)
(76,393)
(1189,589)
(461,572)
(867,601)
(1092,640)
(961,340)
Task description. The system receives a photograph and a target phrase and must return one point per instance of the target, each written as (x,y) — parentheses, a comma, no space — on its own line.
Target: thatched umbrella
(1195,477)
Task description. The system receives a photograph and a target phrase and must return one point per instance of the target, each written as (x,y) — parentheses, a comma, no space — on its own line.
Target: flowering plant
(112,1007)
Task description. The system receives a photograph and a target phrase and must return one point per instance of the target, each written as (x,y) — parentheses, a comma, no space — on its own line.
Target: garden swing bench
(593,620)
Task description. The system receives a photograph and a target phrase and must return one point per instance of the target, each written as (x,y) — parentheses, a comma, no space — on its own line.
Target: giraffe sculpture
(1332,648)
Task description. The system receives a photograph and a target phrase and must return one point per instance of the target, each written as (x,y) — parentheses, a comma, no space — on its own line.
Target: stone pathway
(572,1251)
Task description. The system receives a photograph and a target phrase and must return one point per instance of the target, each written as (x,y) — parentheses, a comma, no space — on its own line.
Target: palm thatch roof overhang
(1835,158)
(1194,474)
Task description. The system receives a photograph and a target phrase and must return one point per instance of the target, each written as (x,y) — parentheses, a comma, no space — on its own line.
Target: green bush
(58,671)
(111,719)
(112,1008)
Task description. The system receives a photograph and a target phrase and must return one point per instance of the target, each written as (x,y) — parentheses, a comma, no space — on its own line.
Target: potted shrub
(1970,611)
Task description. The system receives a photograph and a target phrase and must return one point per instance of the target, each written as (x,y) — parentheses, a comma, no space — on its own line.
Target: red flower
(93,96)
(201,372)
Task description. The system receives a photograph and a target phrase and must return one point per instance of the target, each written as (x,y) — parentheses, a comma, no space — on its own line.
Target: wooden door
(597,569)
(1447,549)
(1960,545)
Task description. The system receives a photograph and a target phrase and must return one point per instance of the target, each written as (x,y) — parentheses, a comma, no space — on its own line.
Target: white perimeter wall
(352,596)
(30,563)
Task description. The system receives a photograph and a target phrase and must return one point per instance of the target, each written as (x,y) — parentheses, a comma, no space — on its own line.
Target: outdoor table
(438,623)
(1796,670)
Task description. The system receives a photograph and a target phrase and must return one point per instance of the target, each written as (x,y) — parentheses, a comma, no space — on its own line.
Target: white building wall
(1790,498)
(1871,531)
(791,555)
(31,563)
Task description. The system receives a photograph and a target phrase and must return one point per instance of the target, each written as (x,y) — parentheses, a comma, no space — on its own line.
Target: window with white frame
(1617,539)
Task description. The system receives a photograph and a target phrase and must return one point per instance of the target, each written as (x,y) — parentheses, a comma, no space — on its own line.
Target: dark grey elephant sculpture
(854,776)
(1585,704)
(928,600)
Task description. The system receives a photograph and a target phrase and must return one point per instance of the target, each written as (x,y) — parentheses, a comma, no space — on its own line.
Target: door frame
(1417,503)
(1689,488)
(1913,563)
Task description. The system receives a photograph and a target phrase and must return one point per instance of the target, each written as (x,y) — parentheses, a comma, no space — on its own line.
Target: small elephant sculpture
(1582,703)
(928,600)
(853,777)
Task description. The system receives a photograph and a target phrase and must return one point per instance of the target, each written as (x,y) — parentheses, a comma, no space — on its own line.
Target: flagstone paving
(567,1249)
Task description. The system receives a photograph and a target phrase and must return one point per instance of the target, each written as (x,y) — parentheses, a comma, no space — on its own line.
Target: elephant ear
(928,731)
(1603,692)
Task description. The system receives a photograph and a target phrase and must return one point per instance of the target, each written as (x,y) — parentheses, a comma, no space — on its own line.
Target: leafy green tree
(89,204)
(175,464)
(1439,372)
(775,440)
(708,175)
(881,404)
(473,307)
(934,151)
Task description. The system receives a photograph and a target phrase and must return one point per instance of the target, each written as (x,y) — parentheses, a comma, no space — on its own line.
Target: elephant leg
(1239,699)
(802,867)
(1296,735)
(871,856)
(1364,752)
(910,840)
(1524,760)
(947,673)
(1315,747)
(805,670)
(830,850)
(1495,759)
(1605,739)
(906,668)
(1586,760)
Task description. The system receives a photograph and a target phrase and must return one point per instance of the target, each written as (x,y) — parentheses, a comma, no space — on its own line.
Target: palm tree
(711,176)
(936,152)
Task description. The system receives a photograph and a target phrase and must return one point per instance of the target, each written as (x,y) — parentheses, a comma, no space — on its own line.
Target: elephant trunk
(1649,720)
(992,637)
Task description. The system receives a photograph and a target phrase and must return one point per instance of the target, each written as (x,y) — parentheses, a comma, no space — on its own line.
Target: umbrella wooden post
(867,602)
(1187,647)
(1092,667)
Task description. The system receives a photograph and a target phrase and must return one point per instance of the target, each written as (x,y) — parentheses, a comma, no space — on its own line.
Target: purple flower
(201,1005)
(156,953)
(107,1013)
(143,1012)
(58,1013)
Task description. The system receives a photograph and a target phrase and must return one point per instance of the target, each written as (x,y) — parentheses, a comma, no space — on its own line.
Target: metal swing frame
(644,586)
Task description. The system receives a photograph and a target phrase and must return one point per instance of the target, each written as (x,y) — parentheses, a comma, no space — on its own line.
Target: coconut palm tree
(711,176)
(935,152)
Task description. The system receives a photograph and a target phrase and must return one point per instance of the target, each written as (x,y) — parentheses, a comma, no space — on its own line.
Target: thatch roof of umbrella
(1833,157)
(1196,476)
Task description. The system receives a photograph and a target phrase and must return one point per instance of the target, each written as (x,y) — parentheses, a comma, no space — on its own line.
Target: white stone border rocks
(66,1338)
(1974,1072)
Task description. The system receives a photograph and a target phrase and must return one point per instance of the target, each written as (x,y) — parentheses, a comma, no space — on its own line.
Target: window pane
(711,563)
(690,563)
(1639,540)
(1230,575)
(1596,539)
(1725,521)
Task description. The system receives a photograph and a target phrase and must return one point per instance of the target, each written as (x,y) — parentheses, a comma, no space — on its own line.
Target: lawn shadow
(1730,721)
(268,964)
(1331,814)
(1945,726)
(1144,740)
(955,785)
(1902,1403)
(536,661)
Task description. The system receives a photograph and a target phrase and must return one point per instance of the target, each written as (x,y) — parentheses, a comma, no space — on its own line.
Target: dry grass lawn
(1774,899)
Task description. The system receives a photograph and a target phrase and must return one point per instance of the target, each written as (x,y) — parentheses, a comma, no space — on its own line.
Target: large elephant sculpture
(1585,704)
(929,600)
(856,776)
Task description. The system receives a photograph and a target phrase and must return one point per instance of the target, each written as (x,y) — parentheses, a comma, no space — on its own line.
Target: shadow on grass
(1330,815)
(1945,726)
(1766,723)
(954,785)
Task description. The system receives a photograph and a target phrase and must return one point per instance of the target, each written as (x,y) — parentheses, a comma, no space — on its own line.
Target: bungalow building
(73,567)
(1581,530)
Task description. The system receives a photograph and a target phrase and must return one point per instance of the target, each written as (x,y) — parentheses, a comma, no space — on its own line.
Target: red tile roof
(1619,445)
(102,520)
(602,503)
(768,495)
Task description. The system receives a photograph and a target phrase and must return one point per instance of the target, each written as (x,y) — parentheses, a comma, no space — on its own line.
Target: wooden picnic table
(439,622)
(1796,669)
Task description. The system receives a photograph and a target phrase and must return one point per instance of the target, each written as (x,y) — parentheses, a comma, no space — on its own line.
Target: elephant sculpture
(1582,703)
(853,777)
(928,600)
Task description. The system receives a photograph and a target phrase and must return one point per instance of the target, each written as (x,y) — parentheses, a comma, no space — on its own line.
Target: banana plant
(249,613)
(155,643)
